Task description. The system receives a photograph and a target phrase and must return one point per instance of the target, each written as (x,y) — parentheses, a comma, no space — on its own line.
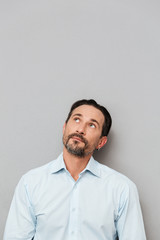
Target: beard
(74,147)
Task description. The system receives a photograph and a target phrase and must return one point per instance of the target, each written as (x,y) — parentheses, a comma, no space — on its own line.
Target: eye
(92,125)
(76,120)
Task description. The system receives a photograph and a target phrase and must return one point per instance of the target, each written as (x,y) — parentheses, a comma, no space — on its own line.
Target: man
(74,196)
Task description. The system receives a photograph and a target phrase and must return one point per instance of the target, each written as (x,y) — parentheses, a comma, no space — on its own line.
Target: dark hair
(108,120)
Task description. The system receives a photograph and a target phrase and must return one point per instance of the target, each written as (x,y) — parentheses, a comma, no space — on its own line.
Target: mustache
(79,136)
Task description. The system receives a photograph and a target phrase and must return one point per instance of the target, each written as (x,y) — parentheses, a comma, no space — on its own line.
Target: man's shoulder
(114,177)
(40,172)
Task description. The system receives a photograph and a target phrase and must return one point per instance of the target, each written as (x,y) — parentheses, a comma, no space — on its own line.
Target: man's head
(86,127)
(108,120)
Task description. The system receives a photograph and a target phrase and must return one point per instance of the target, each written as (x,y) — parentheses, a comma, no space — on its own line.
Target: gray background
(56,52)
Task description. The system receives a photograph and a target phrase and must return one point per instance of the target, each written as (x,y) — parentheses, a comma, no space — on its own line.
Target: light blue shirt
(49,204)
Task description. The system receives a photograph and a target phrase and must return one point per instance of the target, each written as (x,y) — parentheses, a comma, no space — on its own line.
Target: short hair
(107,117)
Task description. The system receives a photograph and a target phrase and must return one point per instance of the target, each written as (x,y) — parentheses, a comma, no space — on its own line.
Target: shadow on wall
(103,154)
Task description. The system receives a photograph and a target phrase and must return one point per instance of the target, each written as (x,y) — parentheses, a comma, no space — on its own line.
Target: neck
(75,165)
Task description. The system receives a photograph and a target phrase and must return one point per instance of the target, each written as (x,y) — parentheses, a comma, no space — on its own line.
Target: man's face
(82,132)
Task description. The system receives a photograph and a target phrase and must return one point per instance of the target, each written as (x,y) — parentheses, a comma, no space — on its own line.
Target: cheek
(93,140)
(68,130)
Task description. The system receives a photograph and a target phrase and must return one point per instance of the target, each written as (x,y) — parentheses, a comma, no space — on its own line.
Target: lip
(77,139)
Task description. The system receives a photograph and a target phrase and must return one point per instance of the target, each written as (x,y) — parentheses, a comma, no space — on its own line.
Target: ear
(64,126)
(102,142)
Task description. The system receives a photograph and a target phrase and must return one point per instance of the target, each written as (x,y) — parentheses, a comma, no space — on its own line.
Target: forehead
(89,112)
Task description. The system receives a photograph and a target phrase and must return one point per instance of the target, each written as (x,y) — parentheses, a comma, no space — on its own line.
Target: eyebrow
(92,120)
(77,114)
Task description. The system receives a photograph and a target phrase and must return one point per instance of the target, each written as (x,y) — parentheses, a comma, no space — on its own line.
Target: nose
(81,129)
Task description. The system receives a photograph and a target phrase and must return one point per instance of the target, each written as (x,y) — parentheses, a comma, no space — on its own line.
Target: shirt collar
(92,166)
(58,164)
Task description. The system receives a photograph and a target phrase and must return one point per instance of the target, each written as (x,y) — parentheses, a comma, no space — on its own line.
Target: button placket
(73,221)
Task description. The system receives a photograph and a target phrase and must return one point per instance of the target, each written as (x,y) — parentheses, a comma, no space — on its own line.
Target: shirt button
(73,209)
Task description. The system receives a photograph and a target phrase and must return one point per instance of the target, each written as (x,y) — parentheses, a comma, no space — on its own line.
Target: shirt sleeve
(21,219)
(129,223)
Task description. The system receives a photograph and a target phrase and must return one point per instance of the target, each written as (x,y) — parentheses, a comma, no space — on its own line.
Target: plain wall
(56,52)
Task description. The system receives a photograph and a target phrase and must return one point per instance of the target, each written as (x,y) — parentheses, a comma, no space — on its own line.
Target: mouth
(77,139)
